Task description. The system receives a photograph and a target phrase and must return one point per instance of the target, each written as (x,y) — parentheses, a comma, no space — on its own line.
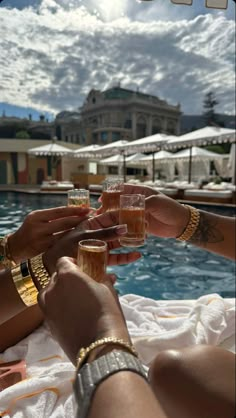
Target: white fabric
(203,136)
(200,169)
(153,325)
(50,149)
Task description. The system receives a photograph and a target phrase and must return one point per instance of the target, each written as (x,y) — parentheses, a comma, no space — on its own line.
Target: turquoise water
(167,270)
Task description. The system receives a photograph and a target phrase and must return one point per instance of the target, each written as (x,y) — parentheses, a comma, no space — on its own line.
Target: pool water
(168,269)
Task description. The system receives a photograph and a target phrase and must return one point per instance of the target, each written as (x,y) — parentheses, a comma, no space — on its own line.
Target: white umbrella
(232,164)
(196,154)
(202,137)
(114,148)
(86,152)
(50,150)
(148,144)
(111,148)
(160,155)
(118,158)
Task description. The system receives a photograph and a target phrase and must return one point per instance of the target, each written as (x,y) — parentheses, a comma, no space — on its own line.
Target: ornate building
(117,113)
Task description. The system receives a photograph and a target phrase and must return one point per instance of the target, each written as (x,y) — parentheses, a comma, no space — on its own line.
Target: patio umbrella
(148,144)
(160,156)
(111,149)
(52,150)
(201,137)
(86,152)
(198,154)
(232,163)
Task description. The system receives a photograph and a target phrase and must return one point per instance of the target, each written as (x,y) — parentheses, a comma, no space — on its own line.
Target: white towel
(154,326)
(158,325)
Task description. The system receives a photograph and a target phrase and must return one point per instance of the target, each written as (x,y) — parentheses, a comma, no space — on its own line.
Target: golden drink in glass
(112,189)
(79,198)
(132,213)
(92,258)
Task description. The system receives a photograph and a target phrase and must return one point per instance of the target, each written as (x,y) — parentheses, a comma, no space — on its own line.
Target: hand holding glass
(92,258)
(112,189)
(132,213)
(79,197)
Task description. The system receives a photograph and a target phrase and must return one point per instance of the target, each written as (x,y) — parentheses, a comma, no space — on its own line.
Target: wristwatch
(92,374)
(5,259)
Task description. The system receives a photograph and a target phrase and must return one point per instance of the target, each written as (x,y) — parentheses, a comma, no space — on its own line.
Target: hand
(68,244)
(79,310)
(41,229)
(165,216)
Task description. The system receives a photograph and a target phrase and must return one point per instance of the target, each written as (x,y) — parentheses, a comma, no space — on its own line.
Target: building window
(66,138)
(72,138)
(94,100)
(115,136)
(156,126)
(104,136)
(141,127)
(171,128)
(95,138)
(128,121)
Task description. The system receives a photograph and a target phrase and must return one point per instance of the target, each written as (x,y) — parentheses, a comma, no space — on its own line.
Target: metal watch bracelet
(92,374)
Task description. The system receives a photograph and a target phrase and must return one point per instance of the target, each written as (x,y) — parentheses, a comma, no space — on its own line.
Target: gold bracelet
(5,257)
(84,352)
(39,271)
(24,286)
(192,224)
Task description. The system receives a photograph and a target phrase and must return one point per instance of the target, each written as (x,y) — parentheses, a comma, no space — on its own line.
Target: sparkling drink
(92,258)
(132,213)
(79,197)
(112,189)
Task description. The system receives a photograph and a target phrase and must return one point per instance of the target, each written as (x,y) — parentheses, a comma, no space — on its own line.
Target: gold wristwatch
(5,257)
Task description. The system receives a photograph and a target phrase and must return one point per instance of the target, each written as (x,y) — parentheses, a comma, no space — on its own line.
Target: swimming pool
(168,269)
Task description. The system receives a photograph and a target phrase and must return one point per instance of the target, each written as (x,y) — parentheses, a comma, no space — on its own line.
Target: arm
(216,233)
(90,312)
(167,218)
(125,395)
(22,320)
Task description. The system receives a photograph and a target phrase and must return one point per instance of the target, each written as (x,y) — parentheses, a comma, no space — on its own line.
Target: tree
(22,135)
(209,104)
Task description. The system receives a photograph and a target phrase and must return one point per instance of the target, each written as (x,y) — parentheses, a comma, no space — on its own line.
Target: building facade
(18,167)
(115,114)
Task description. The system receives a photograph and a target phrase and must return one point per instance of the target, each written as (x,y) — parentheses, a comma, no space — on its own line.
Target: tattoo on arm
(207,231)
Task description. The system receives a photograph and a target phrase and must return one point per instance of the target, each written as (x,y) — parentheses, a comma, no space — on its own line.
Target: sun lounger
(217,196)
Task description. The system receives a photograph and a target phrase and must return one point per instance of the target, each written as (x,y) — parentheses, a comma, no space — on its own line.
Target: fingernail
(121,229)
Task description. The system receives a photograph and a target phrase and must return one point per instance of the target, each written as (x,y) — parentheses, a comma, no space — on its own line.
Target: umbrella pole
(190,166)
(124,167)
(153,167)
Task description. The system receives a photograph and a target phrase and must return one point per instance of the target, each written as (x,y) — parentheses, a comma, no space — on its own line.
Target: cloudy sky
(52,52)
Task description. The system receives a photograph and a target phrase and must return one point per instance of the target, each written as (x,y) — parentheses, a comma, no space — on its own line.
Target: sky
(53,52)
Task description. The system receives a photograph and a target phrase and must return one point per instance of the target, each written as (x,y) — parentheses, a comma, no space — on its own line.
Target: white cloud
(51,56)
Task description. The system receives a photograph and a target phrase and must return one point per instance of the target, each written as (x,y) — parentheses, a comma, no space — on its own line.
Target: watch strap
(92,374)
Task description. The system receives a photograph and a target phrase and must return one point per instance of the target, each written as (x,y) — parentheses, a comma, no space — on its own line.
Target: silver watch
(92,374)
